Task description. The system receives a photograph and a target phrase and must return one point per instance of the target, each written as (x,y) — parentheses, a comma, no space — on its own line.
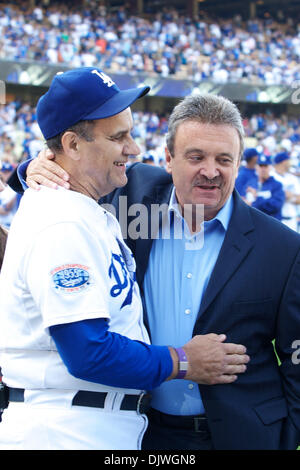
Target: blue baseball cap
(82,94)
(249,153)
(6,166)
(280,157)
(148,158)
(264,160)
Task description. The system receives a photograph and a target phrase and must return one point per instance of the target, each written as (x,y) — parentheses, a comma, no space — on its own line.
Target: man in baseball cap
(291,186)
(75,354)
(87,102)
(269,196)
(85,93)
(247,176)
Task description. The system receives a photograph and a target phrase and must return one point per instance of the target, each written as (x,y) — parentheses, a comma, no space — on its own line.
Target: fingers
(225,379)
(32,184)
(46,153)
(36,181)
(233,370)
(229,375)
(47,173)
(231,348)
(47,177)
(48,169)
(236,364)
(212,361)
(221,338)
(236,359)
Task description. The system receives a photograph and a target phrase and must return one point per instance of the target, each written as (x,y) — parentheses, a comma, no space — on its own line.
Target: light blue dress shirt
(175,281)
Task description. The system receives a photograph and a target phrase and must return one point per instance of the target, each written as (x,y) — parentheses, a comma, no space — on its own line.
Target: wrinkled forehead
(191,133)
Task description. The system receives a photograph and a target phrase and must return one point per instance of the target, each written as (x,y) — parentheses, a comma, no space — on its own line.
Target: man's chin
(121,182)
(207,201)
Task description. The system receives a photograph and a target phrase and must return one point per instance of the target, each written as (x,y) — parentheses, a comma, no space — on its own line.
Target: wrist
(182,363)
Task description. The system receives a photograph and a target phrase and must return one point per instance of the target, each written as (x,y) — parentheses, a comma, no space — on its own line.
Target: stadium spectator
(8,198)
(291,188)
(260,50)
(148,159)
(247,175)
(269,196)
(20,137)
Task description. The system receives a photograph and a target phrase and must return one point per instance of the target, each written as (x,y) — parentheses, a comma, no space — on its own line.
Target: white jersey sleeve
(66,273)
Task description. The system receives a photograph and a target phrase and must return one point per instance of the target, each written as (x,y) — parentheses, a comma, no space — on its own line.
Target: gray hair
(207,109)
(84,129)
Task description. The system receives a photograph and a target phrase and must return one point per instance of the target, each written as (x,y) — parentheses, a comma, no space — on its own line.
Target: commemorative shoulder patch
(71,277)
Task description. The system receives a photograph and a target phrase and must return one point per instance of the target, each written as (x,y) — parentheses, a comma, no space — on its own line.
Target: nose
(209,169)
(131,147)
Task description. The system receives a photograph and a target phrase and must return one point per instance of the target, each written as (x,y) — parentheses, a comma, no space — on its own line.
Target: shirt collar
(223,216)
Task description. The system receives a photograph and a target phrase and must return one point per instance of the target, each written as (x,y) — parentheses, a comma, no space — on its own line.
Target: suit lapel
(235,248)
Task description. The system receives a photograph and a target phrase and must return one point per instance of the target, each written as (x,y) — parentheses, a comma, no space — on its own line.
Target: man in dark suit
(238,272)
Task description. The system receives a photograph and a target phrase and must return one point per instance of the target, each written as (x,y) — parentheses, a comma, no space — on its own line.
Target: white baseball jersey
(65,261)
(289,210)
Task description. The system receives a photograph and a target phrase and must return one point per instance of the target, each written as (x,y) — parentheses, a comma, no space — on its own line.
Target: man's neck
(78,181)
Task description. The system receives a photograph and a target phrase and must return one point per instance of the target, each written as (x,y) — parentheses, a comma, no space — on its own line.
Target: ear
(70,145)
(169,161)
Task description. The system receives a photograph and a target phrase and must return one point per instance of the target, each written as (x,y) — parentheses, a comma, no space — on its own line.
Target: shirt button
(187,311)
(189,275)
(191,386)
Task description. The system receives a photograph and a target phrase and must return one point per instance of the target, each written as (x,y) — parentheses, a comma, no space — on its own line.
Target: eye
(195,158)
(225,160)
(117,138)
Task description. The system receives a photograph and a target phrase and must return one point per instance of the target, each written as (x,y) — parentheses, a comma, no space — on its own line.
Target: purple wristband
(182,363)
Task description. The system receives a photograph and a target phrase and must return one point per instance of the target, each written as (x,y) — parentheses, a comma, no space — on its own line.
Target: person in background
(247,176)
(8,198)
(291,187)
(269,196)
(148,159)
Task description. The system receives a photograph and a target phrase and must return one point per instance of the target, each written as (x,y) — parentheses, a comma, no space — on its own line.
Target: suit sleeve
(17,180)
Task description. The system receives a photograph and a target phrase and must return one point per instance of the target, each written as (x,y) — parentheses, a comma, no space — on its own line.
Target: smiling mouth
(207,187)
(121,164)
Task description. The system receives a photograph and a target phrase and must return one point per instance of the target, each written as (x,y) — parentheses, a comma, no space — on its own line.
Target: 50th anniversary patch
(71,277)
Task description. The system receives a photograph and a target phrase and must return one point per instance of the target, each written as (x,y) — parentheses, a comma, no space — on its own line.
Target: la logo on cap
(105,78)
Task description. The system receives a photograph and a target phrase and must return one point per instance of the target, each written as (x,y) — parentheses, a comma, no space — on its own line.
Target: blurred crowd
(21,138)
(260,51)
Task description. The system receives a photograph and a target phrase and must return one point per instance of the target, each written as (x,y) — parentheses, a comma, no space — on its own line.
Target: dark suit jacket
(253,296)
